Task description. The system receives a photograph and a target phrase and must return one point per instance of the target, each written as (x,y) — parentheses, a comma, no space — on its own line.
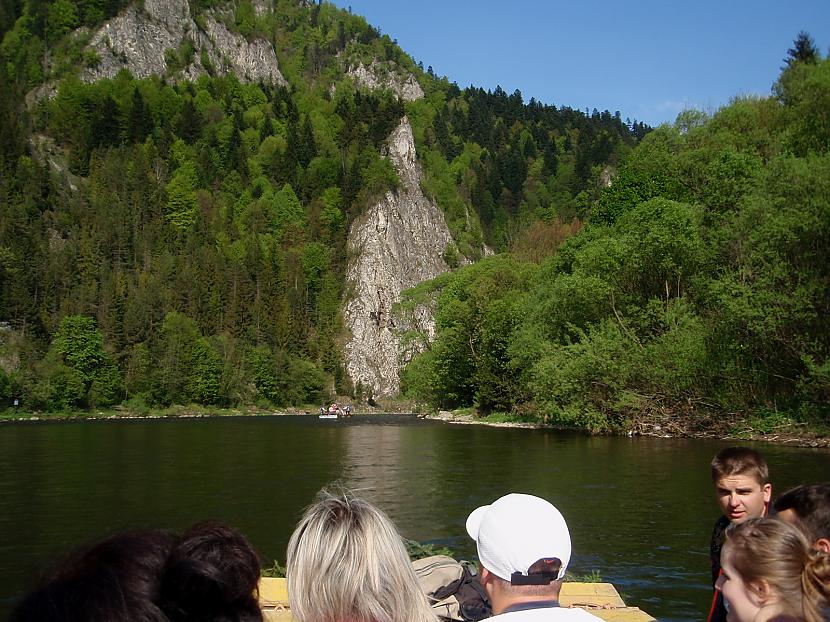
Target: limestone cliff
(396,244)
(388,75)
(139,37)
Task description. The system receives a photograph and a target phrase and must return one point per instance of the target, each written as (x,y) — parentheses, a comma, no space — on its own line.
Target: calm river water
(640,509)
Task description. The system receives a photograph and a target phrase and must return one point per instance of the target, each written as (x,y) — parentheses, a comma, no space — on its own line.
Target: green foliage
(79,344)
(62,17)
(180,58)
(288,211)
(283,379)
(275,570)
(805,88)
(476,314)
(203,382)
(702,278)
(181,197)
(56,387)
(419,550)
(76,372)
(205,230)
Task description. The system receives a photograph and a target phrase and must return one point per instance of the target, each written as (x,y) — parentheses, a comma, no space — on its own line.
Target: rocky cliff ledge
(396,244)
(138,38)
(386,75)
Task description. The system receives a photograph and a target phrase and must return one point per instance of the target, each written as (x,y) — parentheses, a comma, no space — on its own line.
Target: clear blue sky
(649,59)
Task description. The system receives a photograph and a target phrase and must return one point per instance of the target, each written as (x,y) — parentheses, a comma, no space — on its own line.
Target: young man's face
(741,497)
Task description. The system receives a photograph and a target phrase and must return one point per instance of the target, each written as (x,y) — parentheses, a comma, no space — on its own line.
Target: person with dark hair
(524,547)
(116,579)
(808,508)
(209,573)
(743,490)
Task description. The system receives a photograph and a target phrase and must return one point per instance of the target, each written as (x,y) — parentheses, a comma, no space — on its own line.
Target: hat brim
(474,521)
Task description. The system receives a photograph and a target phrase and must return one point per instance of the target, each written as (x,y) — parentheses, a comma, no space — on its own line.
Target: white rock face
(137,40)
(380,75)
(396,244)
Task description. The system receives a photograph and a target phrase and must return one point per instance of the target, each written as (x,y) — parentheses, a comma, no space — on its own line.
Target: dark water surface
(640,509)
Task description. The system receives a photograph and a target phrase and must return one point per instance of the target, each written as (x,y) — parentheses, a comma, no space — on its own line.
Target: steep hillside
(221,202)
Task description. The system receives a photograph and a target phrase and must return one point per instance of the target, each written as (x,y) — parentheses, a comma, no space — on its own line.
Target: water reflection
(640,510)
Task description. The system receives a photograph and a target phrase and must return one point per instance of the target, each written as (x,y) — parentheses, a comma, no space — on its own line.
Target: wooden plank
(273,600)
(592,594)
(600,599)
(273,590)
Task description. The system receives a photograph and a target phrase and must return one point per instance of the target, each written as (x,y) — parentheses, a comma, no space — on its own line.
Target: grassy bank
(195,410)
(189,411)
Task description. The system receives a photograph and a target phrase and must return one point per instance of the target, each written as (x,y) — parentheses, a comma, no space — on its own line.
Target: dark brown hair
(740,461)
(208,574)
(811,504)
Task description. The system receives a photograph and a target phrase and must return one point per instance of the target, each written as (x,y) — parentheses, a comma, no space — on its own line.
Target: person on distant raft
(743,490)
(524,547)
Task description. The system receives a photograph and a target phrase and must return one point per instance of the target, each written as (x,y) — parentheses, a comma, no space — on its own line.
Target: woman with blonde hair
(771,573)
(346,561)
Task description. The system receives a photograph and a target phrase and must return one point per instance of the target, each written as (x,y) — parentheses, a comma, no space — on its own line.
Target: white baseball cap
(516,531)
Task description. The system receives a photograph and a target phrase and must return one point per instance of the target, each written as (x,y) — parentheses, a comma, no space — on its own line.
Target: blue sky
(648,59)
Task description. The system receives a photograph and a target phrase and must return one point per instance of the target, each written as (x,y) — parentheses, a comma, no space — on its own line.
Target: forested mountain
(181,237)
(696,297)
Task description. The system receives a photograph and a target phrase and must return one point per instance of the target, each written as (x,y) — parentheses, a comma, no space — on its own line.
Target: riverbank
(781,431)
(193,411)
(704,425)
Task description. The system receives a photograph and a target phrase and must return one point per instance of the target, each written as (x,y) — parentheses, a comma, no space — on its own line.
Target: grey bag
(453,588)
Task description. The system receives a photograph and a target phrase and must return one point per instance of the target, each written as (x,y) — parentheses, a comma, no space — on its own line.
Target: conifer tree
(804,50)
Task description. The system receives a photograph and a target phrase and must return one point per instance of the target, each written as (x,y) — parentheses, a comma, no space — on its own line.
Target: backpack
(453,588)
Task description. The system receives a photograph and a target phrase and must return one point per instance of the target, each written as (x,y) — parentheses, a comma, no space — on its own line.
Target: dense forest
(165,241)
(696,297)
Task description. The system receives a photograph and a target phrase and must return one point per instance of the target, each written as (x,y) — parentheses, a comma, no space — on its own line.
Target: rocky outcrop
(138,40)
(396,244)
(387,75)
(606,177)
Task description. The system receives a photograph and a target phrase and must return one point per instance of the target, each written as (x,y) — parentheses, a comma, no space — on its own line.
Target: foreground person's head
(770,570)
(346,561)
(209,573)
(524,547)
(742,485)
(808,508)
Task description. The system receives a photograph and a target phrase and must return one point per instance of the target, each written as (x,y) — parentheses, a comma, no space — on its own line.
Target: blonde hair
(346,561)
(775,551)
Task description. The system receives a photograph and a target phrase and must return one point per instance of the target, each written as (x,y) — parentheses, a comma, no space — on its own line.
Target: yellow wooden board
(590,594)
(273,590)
(601,599)
(273,599)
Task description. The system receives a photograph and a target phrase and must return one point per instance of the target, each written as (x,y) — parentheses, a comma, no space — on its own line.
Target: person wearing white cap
(524,547)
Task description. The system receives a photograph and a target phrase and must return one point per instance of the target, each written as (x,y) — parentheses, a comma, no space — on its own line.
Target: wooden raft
(601,599)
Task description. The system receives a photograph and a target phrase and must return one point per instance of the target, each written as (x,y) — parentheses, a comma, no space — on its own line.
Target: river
(640,509)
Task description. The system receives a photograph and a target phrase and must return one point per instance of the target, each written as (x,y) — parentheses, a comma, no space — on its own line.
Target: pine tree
(140,122)
(804,50)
